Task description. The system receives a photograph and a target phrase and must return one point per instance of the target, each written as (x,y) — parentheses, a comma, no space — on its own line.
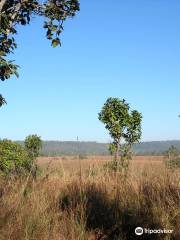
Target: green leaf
(56,42)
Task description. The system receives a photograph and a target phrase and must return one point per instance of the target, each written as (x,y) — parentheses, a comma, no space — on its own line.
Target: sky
(126,49)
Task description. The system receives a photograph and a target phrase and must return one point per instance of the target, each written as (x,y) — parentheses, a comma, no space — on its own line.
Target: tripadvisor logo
(140,231)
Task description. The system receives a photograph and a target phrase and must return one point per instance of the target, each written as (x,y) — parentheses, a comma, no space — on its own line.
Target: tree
(124,127)
(33,145)
(15,12)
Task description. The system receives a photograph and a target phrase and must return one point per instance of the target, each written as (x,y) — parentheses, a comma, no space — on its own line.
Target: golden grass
(63,204)
(71,164)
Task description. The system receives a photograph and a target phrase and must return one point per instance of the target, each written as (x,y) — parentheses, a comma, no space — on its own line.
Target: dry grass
(63,204)
(71,164)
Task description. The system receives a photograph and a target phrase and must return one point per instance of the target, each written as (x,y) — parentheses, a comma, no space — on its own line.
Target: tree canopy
(20,12)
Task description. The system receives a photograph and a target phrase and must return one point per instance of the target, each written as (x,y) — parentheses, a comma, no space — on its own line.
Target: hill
(55,148)
(155,147)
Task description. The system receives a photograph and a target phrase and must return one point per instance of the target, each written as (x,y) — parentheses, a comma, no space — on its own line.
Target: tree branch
(2,2)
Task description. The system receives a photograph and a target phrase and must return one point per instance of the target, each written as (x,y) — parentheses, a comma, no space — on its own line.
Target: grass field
(72,164)
(79,199)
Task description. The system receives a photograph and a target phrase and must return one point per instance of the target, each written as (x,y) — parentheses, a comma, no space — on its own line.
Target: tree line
(60,148)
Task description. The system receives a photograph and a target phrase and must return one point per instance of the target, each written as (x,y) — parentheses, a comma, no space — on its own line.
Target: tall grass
(96,206)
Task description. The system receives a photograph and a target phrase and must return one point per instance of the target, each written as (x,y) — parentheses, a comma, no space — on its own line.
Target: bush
(14,159)
(172,158)
(173,163)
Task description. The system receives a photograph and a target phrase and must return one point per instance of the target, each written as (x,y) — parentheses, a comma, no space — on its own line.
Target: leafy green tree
(13,158)
(15,12)
(33,145)
(124,127)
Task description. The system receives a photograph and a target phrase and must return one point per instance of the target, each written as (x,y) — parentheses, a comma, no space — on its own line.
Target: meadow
(79,199)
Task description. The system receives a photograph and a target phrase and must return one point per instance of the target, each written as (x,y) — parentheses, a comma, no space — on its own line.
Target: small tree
(124,127)
(33,145)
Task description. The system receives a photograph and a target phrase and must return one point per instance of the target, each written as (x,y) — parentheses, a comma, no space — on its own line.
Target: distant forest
(59,148)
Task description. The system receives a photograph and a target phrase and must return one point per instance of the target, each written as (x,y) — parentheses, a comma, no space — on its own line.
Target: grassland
(74,199)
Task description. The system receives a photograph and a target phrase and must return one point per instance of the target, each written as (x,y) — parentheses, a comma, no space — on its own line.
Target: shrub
(14,158)
(173,163)
(172,158)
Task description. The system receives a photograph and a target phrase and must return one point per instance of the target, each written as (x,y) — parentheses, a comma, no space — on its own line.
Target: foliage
(33,144)
(172,158)
(2,100)
(123,126)
(173,163)
(14,13)
(111,166)
(112,148)
(13,158)
(126,155)
(172,152)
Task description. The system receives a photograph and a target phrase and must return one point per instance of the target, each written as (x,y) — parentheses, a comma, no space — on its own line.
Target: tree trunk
(116,157)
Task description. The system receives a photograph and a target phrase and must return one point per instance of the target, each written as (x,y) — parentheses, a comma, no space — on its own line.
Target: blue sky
(127,49)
